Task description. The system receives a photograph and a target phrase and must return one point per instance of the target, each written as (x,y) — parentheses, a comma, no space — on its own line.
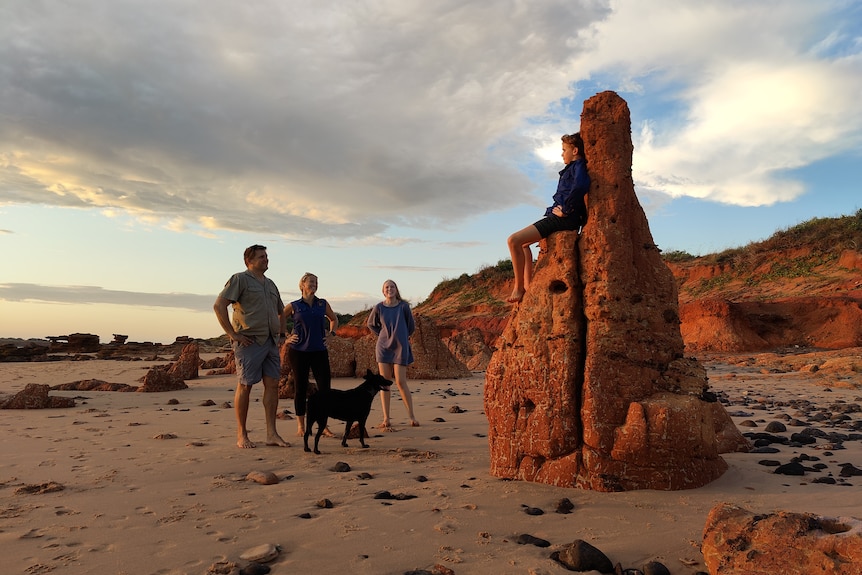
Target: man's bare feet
(517,296)
(414,423)
(243,442)
(276,440)
(385,424)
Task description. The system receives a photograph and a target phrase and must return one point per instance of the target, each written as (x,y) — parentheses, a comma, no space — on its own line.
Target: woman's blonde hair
(305,277)
(397,293)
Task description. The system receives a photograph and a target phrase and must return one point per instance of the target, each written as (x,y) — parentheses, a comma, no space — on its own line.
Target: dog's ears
(368,373)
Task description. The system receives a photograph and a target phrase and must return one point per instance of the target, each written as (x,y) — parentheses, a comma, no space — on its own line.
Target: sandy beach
(135,483)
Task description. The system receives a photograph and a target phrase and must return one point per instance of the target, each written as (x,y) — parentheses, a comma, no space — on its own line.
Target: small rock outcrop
(76,343)
(739,542)
(186,367)
(470,348)
(433,360)
(94,385)
(159,379)
(590,387)
(354,354)
(23,350)
(35,396)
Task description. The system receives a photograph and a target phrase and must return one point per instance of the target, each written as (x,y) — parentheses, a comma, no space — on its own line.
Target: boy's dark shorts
(552,223)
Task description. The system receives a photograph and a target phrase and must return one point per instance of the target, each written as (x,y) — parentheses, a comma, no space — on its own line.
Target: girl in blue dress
(392,322)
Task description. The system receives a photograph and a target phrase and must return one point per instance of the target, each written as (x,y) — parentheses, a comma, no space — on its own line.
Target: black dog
(352,405)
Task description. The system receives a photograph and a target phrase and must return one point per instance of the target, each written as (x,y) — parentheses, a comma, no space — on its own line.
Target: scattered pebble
(564,505)
(260,554)
(395,496)
(254,568)
(527,539)
(262,477)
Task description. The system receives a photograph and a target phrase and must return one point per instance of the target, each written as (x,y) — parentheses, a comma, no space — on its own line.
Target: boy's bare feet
(243,442)
(517,296)
(414,423)
(385,424)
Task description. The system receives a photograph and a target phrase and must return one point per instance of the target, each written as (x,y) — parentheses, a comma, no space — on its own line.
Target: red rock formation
(186,367)
(94,385)
(469,346)
(721,325)
(35,396)
(82,342)
(738,542)
(220,365)
(158,379)
(589,386)
(342,356)
(432,358)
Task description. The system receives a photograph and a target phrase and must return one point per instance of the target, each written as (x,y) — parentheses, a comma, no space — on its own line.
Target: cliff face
(806,292)
(801,287)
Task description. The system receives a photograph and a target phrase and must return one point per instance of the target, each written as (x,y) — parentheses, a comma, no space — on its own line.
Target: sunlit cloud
(411,114)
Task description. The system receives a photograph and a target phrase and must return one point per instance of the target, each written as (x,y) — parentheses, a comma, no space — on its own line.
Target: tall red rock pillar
(589,386)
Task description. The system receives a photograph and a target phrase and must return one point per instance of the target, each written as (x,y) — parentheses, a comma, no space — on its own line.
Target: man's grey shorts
(255,361)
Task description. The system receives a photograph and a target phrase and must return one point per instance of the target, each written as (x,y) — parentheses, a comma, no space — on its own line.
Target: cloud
(277,116)
(345,120)
(91,295)
(76,294)
(756,90)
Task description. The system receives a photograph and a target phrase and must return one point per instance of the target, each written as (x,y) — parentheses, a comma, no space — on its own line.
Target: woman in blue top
(569,212)
(308,343)
(392,322)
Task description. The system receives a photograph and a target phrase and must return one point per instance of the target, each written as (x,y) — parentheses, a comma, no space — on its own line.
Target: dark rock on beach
(581,556)
(527,539)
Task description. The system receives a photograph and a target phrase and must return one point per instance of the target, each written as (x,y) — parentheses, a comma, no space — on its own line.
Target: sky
(144,144)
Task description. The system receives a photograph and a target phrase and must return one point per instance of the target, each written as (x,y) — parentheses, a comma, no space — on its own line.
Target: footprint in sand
(449,525)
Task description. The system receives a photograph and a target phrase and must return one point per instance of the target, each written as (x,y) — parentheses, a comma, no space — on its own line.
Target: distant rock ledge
(83,346)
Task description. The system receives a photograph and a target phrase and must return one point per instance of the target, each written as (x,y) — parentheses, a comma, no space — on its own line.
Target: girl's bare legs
(406,396)
(399,373)
(519,249)
(385,369)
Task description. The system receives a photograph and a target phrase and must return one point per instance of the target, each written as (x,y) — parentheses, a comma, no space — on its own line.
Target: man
(255,331)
